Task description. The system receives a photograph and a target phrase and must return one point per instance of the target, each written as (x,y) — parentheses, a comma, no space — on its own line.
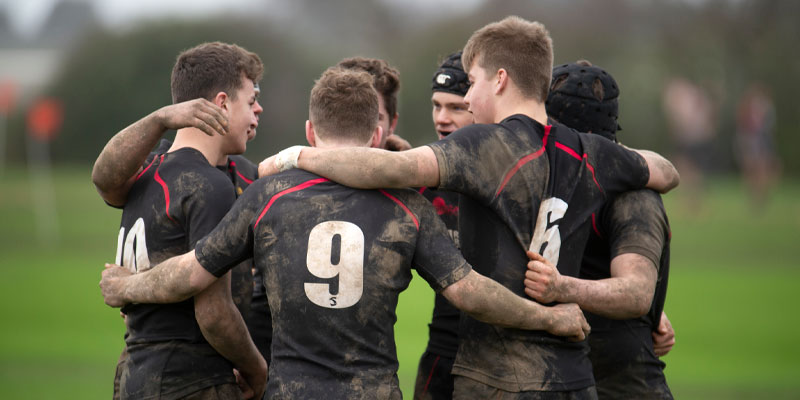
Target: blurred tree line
(112,78)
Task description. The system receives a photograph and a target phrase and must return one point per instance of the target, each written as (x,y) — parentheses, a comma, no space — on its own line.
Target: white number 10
(349,268)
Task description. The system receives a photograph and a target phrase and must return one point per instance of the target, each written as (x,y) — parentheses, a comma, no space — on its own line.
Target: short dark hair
(344,105)
(386,79)
(209,68)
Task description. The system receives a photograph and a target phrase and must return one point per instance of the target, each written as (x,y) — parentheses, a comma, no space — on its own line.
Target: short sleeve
(231,242)
(436,258)
(470,161)
(616,168)
(636,223)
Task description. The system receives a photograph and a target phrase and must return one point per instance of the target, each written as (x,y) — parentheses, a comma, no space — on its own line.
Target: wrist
(287,158)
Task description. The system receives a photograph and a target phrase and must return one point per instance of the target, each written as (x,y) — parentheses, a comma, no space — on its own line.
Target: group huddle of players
(282,278)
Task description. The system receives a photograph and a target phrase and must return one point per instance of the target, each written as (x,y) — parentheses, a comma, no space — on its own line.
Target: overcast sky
(26,16)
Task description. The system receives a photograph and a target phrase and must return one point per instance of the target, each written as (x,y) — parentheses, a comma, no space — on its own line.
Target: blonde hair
(523,48)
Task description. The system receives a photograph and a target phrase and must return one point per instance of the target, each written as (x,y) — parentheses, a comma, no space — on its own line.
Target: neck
(209,146)
(532,108)
(333,143)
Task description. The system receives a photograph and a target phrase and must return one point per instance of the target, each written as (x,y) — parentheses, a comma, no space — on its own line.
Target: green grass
(731,295)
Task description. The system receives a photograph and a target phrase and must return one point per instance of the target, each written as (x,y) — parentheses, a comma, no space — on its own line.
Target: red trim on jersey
(574,154)
(413,217)
(428,381)
(591,169)
(248,181)
(568,150)
(299,187)
(594,226)
(524,160)
(422,190)
(146,168)
(163,184)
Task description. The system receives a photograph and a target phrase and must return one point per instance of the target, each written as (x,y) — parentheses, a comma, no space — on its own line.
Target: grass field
(731,296)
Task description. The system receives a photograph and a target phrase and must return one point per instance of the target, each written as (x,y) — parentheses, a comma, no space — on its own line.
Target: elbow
(673,180)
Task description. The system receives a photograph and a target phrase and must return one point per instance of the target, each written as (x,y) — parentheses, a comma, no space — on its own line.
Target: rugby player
(177,198)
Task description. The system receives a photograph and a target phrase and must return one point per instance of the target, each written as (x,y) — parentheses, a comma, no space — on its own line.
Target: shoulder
(642,207)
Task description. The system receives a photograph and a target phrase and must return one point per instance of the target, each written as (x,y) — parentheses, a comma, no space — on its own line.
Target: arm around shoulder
(367,168)
(663,175)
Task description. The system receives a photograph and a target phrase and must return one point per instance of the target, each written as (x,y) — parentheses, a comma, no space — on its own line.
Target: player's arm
(117,165)
(223,327)
(358,167)
(627,294)
(490,302)
(176,279)
(663,175)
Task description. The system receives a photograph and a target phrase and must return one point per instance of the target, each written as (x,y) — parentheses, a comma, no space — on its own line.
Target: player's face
(449,113)
(384,121)
(243,113)
(480,95)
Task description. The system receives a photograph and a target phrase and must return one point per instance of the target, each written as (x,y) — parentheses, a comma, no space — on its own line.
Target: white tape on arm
(287,158)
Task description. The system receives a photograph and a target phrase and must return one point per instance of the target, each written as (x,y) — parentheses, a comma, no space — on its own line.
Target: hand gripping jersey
(528,186)
(177,199)
(334,260)
(625,365)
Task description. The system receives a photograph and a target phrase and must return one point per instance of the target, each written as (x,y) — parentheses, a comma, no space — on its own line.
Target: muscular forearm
(223,327)
(369,168)
(174,280)
(123,156)
(627,294)
(663,175)
(488,301)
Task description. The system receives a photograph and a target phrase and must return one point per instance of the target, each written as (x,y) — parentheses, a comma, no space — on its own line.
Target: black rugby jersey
(529,187)
(334,260)
(176,200)
(621,351)
(443,329)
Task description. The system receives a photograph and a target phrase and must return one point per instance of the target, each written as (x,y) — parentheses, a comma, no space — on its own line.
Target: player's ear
(310,133)
(221,100)
(377,135)
(500,80)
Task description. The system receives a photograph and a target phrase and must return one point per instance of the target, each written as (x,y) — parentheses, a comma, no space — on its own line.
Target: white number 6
(349,268)
(547,241)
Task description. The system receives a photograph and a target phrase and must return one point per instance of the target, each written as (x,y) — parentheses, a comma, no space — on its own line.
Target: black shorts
(172,370)
(466,388)
(434,378)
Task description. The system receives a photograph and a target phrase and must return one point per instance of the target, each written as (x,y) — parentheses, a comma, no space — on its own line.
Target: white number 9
(349,268)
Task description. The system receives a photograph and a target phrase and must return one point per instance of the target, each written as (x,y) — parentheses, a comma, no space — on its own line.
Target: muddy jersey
(443,329)
(625,365)
(334,260)
(528,186)
(176,200)
(242,172)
